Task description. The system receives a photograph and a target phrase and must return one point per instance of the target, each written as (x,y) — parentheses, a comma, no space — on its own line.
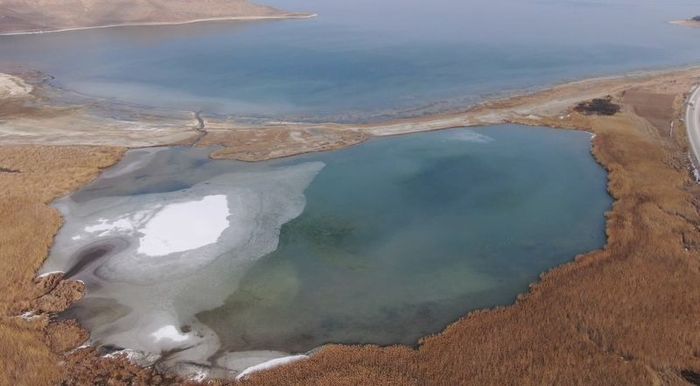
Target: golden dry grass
(30,179)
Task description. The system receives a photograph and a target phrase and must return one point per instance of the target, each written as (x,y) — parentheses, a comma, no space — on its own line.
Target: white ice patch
(173,254)
(169,333)
(105,227)
(270,365)
(185,226)
(169,228)
(471,136)
(49,273)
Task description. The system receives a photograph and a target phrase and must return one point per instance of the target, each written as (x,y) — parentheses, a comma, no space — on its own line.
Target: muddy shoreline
(51,116)
(550,333)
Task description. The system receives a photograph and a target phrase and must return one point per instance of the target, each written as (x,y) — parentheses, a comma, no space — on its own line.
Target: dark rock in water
(696,18)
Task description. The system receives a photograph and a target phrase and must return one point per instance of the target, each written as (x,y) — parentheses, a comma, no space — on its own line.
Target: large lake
(381,243)
(366,59)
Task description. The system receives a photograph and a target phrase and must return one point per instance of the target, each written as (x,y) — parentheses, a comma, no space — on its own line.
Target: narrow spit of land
(99,122)
(625,315)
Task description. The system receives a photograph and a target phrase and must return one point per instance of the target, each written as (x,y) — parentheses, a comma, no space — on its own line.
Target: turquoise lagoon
(382,243)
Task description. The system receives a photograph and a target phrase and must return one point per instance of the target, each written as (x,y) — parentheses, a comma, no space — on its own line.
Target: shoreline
(75,116)
(290,16)
(686,23)
(610,133)
(68,118)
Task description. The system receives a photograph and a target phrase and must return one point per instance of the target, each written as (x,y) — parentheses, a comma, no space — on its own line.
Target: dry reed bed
(30,179)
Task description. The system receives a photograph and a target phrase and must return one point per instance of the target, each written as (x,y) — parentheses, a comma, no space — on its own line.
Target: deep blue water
(362,60)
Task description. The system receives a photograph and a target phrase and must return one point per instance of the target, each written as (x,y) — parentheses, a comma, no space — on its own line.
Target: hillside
(18,16)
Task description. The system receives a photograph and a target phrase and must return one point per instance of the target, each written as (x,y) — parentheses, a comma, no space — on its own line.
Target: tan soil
(277,142)
(658,109)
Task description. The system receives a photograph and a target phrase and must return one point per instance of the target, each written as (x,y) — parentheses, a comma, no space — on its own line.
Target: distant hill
(17,16)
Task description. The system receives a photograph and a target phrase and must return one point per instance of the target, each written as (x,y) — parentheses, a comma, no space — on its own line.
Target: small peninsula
(40,16)
(693,22)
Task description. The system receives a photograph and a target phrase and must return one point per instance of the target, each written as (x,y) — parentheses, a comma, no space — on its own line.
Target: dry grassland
(30,178)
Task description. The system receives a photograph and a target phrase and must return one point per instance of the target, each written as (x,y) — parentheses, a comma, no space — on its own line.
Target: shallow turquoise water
(364,60)
(402,236)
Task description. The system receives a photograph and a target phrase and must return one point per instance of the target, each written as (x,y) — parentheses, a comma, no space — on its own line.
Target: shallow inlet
(217,261)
